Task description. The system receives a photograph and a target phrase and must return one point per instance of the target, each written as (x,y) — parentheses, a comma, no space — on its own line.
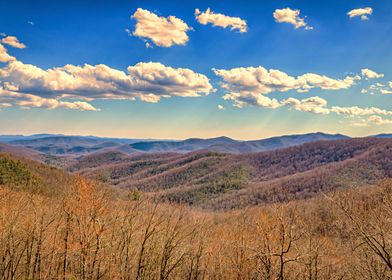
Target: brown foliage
(226,181)
(86,234)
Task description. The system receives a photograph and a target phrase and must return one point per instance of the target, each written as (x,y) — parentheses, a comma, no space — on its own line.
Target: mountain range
(196,171)
(62,145)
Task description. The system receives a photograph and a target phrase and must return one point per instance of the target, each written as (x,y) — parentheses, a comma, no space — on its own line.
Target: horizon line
(183,139)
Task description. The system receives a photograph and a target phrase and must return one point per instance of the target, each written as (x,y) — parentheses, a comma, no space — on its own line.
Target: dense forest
(217,181)
(87,234)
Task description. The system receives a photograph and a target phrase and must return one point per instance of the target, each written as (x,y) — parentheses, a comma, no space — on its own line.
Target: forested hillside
(226,181)
(55,225)
(22,174)
(86,234)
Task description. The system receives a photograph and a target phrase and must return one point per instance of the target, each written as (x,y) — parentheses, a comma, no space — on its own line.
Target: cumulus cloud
(363,13)
(357,111)
(315,105)
(4,56)
(241,100)
(162,31)
(290,16)
(379,120)
(372,120)
(235,23)
(250,87)
(147,81)
(259,80)
(10,98)
(220,107)
(13,42)
(370,74)
(27,85)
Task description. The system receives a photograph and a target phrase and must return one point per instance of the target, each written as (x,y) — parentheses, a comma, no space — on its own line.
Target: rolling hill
(218,173)
(225,181)
(23,174)
(21,152)
(274,143)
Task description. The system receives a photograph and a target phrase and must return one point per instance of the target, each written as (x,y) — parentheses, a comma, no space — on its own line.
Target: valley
(198,215)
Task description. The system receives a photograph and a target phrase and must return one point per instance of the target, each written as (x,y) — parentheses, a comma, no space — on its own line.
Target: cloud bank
(259,80)
(31,86)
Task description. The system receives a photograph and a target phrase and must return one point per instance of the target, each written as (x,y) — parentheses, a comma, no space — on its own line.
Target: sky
(180,69)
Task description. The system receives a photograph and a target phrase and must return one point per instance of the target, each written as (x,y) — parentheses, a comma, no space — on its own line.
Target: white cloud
(385,91)
(377,88)
(315,105)
(163,32)
(31,23)
(147,81)
(220,107)
(241,100)
(311,80)
(288,15)
(357,111)
(258,80)
(371,120)
(379,120)
(11,98)
(362,12)
(235,23)
(27,85)
(249,86)
(4,56)
(370,74)
(13,42)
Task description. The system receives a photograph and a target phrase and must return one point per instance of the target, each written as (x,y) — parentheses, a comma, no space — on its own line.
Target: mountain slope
(227,145)
(275,143)
(189,145)
(22,174)
(21,152)
(221,181)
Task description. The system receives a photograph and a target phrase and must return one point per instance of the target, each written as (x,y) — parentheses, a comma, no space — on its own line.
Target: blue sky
(339,97)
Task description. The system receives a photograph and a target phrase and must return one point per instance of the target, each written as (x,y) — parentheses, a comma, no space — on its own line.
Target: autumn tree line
(86,233)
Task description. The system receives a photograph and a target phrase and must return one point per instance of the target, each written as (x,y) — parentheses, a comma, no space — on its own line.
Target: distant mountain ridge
(188,145)
(58,144)
(276,143)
